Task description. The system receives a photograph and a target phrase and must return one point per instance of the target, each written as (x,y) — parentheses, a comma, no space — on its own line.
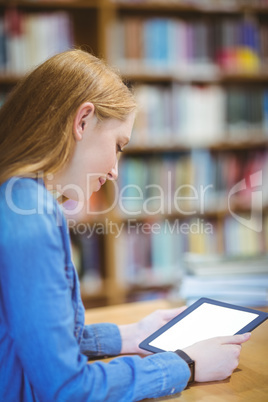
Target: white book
(115,39)
(220,265)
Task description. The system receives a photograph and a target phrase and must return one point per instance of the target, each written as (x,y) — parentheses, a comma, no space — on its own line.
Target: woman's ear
(81,120)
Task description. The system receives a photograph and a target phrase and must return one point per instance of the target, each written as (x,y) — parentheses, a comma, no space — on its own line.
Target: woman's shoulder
(27,201)
(20,185)
(28,211)
(22,194)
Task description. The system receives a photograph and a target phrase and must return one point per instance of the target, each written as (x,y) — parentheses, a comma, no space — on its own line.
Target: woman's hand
(216,358)
(133,334)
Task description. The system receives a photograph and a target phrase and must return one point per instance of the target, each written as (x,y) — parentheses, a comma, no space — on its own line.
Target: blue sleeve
(40,320)
(100,340)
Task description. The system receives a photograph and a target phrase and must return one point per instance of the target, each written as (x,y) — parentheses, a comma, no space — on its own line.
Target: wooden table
(248,383)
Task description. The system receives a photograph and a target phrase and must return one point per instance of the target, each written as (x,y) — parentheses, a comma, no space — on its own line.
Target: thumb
(236,339)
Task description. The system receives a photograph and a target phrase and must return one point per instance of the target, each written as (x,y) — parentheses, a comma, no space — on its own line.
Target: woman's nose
(113,174)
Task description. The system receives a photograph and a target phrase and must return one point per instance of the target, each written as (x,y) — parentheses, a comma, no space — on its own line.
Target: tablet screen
(206,321)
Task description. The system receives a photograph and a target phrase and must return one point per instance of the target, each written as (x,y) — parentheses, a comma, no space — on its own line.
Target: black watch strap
(189,361)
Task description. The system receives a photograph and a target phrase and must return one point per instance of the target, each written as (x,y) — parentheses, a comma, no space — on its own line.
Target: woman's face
(95,157)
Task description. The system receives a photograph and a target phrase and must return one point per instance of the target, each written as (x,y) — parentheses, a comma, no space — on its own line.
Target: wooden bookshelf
(46,5)
(219,213)
(138,74)
(157,78)
(223,146)
(182,8)
(91,21)
(221,78)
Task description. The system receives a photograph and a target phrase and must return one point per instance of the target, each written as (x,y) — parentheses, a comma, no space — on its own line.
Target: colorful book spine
(28,39)
(199,116)
(197,181)
(190,46)
(154,255)
(86,254)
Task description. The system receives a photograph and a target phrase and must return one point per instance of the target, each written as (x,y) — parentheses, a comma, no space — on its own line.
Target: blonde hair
(36,121)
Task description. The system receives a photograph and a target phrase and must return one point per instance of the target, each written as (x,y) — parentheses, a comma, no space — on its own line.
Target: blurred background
(188,216)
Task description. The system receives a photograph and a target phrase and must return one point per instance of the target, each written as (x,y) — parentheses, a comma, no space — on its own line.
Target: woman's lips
(102,180)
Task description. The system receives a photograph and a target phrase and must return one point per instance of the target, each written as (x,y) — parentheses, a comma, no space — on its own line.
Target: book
(190,48)
(28,39)
(236,279)
(199,115)
(221,265)
(194,182)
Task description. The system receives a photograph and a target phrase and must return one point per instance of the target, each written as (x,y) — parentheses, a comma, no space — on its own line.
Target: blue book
(204,175)
(249,36)
(156,42)
(265,112)
(3,47)
(134,183)
(163,261)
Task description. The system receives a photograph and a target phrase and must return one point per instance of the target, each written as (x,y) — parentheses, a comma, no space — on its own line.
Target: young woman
(63,127)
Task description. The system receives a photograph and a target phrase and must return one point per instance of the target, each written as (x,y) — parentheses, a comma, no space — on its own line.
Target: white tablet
(204,319)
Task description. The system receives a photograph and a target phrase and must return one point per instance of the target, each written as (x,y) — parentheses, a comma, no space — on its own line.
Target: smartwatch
(190,363)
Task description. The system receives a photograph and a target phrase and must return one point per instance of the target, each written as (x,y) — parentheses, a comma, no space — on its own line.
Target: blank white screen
(207,321)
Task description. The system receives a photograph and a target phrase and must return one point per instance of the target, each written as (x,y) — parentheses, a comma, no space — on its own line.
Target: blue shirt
(44,343)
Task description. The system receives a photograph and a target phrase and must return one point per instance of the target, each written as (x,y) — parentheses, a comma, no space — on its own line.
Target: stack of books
(156,252)
(238,280)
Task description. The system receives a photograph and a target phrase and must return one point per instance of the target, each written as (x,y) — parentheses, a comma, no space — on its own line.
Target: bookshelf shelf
(221,78)
(8,79)
(142,286)
(94,300)
(223,146)
(138,292)
(165,78)
(213,214)
(258,77)
(46,5)
(184,8)
(93,294)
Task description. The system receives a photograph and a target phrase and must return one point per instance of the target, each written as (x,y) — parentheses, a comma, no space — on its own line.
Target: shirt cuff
(174,373)
(100,340)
